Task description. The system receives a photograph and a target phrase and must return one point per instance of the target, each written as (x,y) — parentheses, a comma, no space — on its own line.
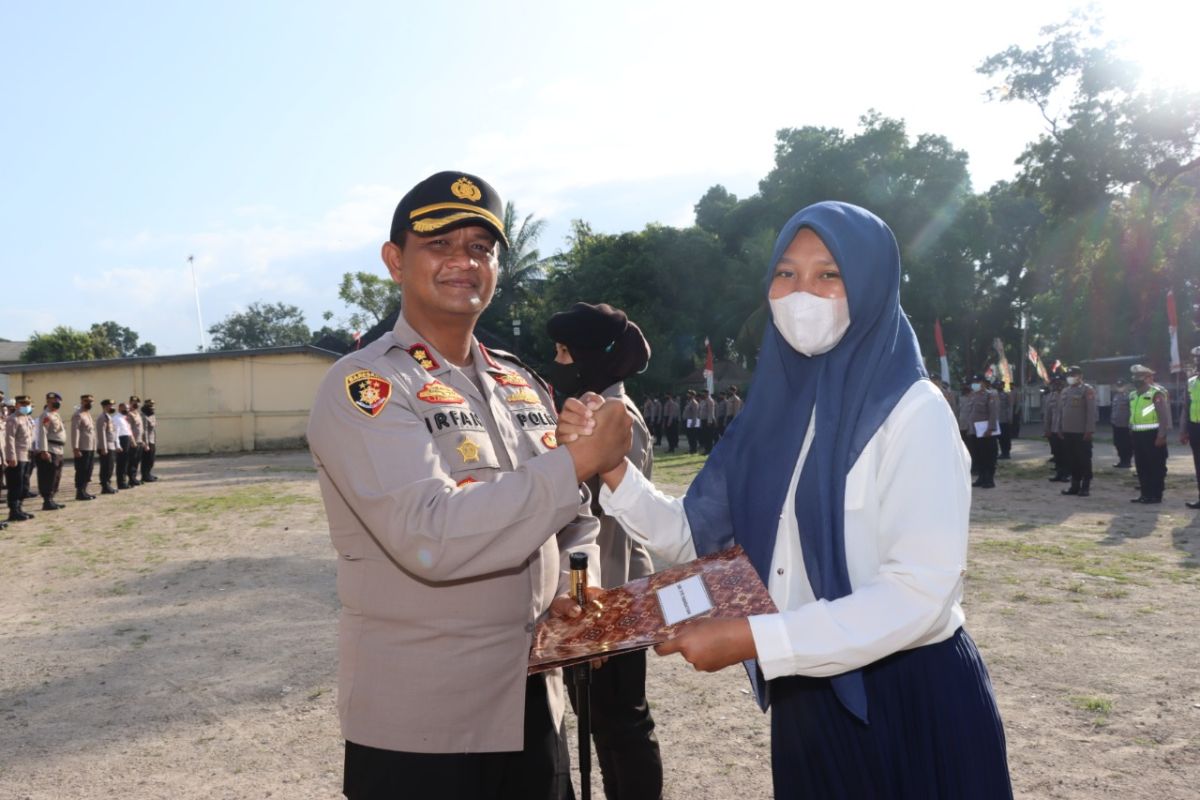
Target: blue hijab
(738,495)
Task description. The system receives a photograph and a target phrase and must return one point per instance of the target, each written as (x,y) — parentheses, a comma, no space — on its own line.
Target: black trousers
(1150,463)
(135,461)
(1005,438)
(15,477)
(49,475)
(1123,441)
(123,461)
(107,462)
(29,467)
(672,436)
(542,771)
(1058,451)
(707,432)
(83,469)
(983,456)
(623,730)
(1193,429)
(147,462)
(1079,457)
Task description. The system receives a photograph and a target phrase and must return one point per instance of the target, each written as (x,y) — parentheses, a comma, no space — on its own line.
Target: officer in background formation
(1119,419)
(1149,421)
(981,409)
(150,433)
(653,415)
(722,410)
(1050,426)
(84,442)
(604,347)
(708,421)
(671,422)
(51,445)
(6,408)
(1005,399)
(124,444)
(733,407)
(18,442)
(137,433)
(108,446)
(691,421)
(1077,416)
(1189,432)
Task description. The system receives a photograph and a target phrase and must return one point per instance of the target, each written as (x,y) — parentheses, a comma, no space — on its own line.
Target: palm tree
(520,261)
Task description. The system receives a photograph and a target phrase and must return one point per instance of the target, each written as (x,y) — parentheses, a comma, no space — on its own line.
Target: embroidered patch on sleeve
(437,392)
(368,392)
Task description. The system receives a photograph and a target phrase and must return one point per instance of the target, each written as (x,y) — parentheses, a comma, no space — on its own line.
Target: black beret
(587,327)
(446,201)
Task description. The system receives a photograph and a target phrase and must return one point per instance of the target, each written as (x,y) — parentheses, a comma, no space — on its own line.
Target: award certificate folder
(647,611)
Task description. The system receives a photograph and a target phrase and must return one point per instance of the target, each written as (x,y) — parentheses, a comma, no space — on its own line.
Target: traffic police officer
(1149,421)
(1190,432)
(51,445)
(1077,415)
(453,509)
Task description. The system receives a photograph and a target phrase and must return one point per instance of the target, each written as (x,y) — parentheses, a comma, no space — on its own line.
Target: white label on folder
(684,600)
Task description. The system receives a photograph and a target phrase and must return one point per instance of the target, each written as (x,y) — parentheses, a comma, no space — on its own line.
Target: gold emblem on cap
(463,189)
(468,450)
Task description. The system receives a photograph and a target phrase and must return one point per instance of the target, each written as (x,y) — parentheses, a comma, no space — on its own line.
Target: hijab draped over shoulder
(739,494)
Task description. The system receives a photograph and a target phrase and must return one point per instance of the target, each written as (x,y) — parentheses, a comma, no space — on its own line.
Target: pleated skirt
(934,731)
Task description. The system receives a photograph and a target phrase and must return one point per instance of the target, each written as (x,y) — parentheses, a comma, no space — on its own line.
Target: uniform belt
(53,441)
(1145,427)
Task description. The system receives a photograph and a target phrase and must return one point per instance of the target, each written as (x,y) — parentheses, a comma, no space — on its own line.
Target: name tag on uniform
(684,600)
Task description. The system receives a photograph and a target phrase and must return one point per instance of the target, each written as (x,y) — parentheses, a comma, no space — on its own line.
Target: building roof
(10,352)
(114,362)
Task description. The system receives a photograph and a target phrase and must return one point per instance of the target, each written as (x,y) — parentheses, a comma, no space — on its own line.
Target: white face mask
(811,325)
(975,387)
(1072,381)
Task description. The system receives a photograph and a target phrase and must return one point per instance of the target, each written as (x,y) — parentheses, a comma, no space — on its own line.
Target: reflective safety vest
(1143,416)
(1194,398)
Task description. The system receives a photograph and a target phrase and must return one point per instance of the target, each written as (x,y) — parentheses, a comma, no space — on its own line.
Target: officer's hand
(712,644)
(44,456)
(102,452)
(1183,436)
(1087,437)
(78,454)
(565,607)
(1160,440)
(576,418)
(606,447)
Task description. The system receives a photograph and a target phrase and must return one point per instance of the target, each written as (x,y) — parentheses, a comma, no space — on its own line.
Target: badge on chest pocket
(461,438)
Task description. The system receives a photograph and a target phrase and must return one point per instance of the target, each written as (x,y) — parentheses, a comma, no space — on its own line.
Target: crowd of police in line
(702,417)
(1141,418)
(120,440)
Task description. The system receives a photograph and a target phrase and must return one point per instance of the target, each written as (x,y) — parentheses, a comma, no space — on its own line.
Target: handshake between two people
(598,434)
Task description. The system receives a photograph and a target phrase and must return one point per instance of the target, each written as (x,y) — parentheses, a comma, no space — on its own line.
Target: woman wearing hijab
(825,479)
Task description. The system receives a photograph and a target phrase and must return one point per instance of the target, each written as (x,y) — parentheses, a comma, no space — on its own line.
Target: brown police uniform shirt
(137,427)
(150,427)
(1077,410)
(671,411)
(621,558)
(51,434)
(981,406)
(106,435)
(83,431)
(18,440)
(1119,415)
(1050,412)
(733,408)
(452,511)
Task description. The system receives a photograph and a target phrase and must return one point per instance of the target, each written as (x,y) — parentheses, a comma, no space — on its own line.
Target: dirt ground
(177,641)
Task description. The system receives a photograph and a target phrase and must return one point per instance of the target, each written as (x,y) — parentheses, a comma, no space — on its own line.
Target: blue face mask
(25,409)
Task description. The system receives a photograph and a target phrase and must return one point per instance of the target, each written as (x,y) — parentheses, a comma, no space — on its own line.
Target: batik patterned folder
(635,616)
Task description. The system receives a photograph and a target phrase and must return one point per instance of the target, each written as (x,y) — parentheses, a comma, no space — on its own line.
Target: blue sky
(272,140)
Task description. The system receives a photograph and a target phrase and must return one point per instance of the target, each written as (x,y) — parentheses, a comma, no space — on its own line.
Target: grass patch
(1100,706)
(1083,557)
(250,498)
(677,468)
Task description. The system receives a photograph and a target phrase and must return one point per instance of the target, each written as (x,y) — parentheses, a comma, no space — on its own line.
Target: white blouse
(908,503)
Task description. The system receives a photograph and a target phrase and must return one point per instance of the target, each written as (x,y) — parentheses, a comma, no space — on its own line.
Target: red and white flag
(941,348)
(1038,365)
(1173,329)
(708,365)
(357,339)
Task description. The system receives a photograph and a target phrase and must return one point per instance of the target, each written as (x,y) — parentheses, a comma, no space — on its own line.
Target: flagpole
(196,292)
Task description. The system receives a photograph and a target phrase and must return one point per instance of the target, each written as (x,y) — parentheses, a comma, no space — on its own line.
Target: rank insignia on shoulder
(523,395)
(466,480)
(491,362)
(420,354)
(468,450)
(437,392)
(368,392)
(550,440)
(509,378)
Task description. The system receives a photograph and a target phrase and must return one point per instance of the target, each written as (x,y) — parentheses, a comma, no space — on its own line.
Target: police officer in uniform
(1077,415)
(733,406)
(598,347)
(654,418)
(1051,424)
(1190,432)
(671,422)
(137,435)
(1119,419)
(1149,420)
(50,445)
(150,435)
(708,421)
(18,443)
(108,446)
(982,405)
(83,446)
(1006,419)
(691,421)
(453,509)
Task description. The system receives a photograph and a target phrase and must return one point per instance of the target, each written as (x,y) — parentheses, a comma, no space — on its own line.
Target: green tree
(261,325)
(519,265)
(117,341)
(373,297)
(61,344)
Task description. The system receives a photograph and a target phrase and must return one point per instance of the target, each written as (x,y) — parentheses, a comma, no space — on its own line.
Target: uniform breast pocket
(462,439)
(537,426)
